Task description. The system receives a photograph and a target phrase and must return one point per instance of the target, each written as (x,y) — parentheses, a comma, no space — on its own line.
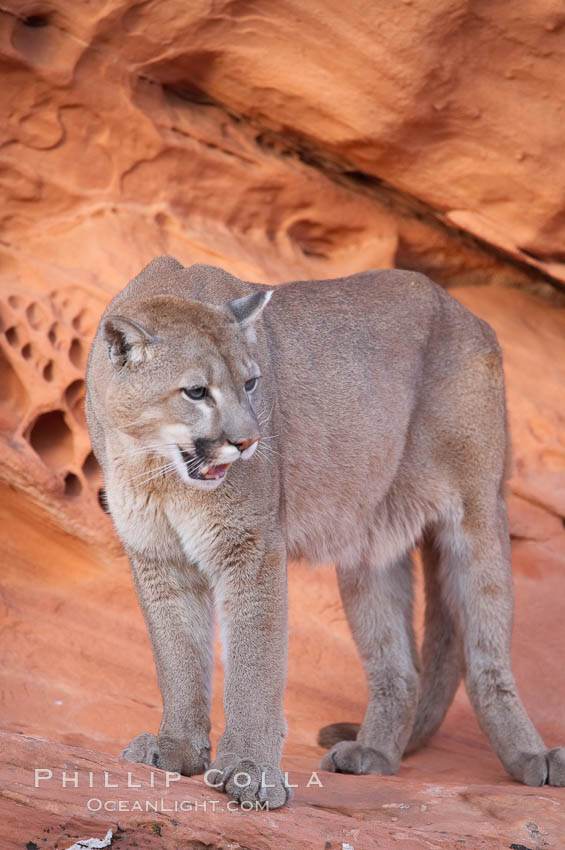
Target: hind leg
(479,586)
(378,605)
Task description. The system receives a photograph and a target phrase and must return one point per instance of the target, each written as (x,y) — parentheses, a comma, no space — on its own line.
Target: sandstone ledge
(382,812)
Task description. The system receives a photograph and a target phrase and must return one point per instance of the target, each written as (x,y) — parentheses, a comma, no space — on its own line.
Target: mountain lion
(348,421)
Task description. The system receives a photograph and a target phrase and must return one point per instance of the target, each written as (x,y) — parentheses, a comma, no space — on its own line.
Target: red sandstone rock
(282,140)
(374,812)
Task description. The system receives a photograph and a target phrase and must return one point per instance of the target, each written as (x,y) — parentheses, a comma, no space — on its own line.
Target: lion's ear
(128,341)
(248,309)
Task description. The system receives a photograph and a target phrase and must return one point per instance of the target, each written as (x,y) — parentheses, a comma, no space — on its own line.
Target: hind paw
(352,757)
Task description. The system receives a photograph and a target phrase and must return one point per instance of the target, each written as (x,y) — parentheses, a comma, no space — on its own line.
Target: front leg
(253,604)
(178,607)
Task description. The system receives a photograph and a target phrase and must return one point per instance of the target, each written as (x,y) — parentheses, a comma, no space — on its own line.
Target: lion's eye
(195,393)
(251,384)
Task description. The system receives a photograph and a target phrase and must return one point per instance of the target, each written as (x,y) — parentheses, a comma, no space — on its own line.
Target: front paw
(248,782)
(540,768)
(351,757)
(173,754)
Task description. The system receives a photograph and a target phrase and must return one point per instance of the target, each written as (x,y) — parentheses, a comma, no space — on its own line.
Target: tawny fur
(382,419)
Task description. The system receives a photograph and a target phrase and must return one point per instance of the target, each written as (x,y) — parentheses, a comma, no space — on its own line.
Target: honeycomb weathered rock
(44,445)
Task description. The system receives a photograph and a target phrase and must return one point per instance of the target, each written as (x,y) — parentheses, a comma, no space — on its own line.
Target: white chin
(203,483)
(248,453)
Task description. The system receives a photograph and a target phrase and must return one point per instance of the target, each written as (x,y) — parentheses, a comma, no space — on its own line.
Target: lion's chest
(193,535)
(139,520)
(198,534)
(153,525)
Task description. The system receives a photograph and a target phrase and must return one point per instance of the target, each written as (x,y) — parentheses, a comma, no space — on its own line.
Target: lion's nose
(242,445)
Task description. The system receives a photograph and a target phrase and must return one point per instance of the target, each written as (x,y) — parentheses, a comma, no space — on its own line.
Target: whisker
(194,466)
(268,416)
(148,453)
(150,475)
(271,450)
(128,424)
(144,450)
(139,450)
(263,451)
(147,471)
(150,446)
(162,471)
(264,459)
(195,461)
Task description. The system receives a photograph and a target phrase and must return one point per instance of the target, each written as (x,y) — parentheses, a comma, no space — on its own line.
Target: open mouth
(199,470)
